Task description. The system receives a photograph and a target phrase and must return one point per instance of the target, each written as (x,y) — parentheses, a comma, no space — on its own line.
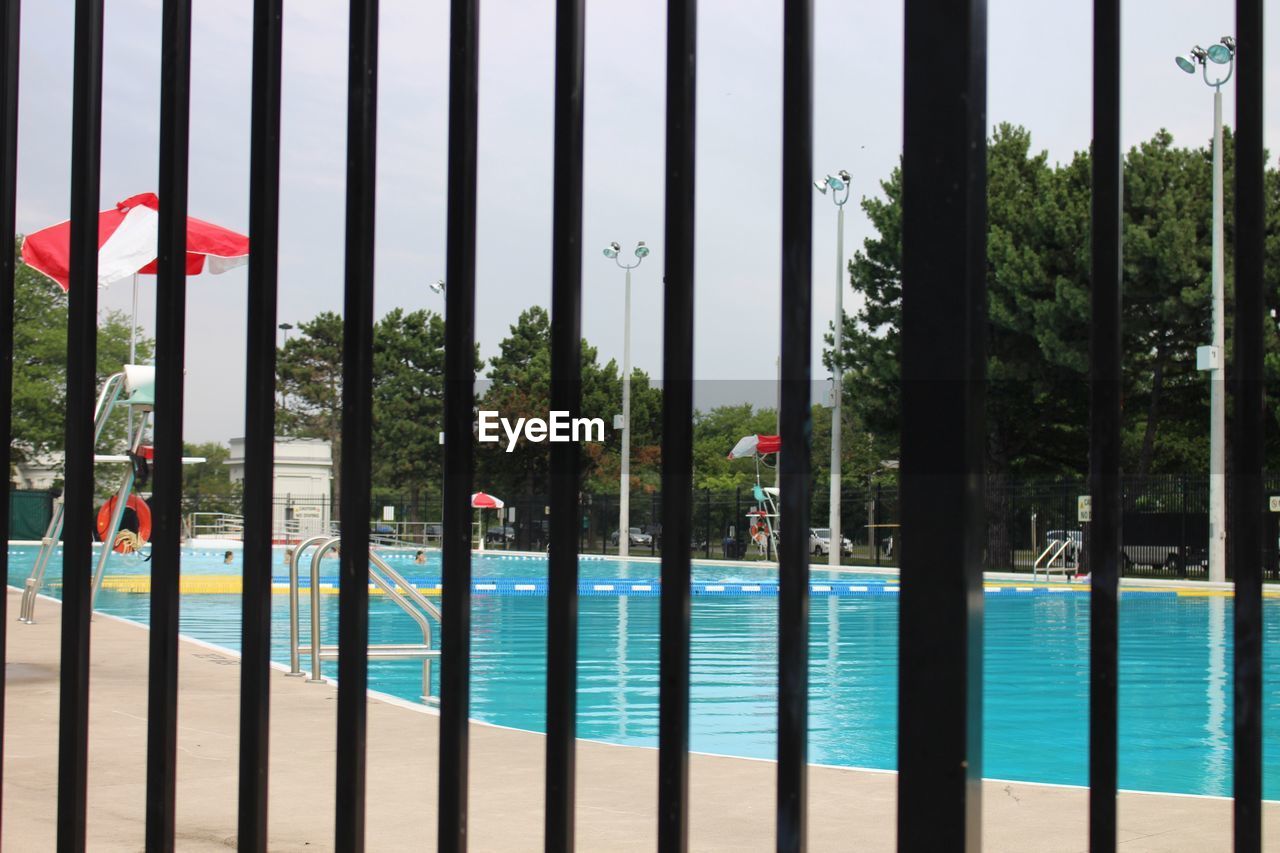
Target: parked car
(1168,557)
(1073,538)
(504,535)
(433,530)
(636,537)
(820,542)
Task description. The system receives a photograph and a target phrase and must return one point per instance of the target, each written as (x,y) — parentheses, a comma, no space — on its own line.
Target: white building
(302,484)
(38,474)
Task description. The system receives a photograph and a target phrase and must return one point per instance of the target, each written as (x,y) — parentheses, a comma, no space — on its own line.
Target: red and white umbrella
(756,445)
(128,244)
(480,500)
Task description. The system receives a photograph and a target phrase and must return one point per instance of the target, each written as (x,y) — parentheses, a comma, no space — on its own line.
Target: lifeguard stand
(132,389)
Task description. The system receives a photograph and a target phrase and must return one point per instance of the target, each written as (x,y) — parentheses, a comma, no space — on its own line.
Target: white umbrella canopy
(753,445)
(480,500)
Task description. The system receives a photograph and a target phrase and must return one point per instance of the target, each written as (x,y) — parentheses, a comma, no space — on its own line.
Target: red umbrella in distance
(127,244)
(480,500)
(753,445)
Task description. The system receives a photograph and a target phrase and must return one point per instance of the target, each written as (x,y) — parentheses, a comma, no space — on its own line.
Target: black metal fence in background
(1165,524)
(944,493)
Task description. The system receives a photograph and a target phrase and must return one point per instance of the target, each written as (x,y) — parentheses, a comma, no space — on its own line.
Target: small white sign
(388,513)
(1275,503)
(1084,508)
(1208,358)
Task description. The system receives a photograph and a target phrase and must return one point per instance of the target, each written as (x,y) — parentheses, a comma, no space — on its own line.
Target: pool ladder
(392,583)
(1056,550)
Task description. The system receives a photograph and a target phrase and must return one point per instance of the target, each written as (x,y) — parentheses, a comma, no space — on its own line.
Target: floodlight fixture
(1219,53)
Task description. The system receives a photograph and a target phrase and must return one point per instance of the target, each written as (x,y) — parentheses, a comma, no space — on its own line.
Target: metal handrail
(1057,548)
(412,591)
(294,668)
(391,582)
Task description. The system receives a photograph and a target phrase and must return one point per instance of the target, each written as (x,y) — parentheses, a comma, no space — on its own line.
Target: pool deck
(730,805)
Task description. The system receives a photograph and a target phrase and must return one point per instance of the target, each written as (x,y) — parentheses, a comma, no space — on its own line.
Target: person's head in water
(228,558)
(288,554)
(420,557)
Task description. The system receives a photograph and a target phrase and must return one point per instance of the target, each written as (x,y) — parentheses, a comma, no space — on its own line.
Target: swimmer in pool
(228,558)
(420,557)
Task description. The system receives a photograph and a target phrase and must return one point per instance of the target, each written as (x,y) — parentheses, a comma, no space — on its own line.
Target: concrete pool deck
(731,804)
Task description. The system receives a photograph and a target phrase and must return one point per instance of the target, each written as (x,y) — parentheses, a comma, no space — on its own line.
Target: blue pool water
(1175,670)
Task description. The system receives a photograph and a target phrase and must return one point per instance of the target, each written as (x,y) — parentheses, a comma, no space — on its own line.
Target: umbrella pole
(133,323)
(133,339)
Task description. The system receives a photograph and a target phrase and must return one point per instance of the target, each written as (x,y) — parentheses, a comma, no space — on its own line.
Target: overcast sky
(1039,76)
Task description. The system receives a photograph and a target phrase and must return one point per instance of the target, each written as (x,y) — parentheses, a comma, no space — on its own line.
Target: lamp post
(624,486)
(437,286)
(286,328)
(1212,358)
(838,185)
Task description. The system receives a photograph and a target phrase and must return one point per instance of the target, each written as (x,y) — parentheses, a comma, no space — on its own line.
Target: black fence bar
(459,395)
(1104,413)
(943,381)
(566,396)
(166,500)
(9,39)
(677,414)
(82,357)
(1244,483)
(795,424)
(357,423)
(260,414)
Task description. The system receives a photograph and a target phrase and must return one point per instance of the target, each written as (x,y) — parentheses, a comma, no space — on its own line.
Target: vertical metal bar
(1104,413)
(459,398)
(357,424)
(566,396)
(259,431)
(795,423)
(677,414)
(9,39)
(943,389)
(1245,473)
(166,502)
(82,358)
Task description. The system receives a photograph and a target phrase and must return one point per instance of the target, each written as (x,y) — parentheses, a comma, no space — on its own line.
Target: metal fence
(943,490)
(1165,523)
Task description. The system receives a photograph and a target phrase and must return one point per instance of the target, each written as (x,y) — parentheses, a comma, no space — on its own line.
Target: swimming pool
(1175,667)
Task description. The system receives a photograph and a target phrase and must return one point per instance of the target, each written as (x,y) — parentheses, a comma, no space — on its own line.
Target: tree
(408,401)
(408,395)
(715,433)
(309,375)
(40,363)
(1038,307)
(207,486)
(520,387)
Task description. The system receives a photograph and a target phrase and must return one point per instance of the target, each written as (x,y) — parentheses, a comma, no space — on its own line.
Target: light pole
(1212,358)
(838,184)
(437,286)
(286,328)
(624,482)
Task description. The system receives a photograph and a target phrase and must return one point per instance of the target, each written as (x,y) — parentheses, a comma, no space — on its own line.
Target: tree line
(1038,339)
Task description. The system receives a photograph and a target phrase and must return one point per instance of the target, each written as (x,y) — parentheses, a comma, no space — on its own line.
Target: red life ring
(140,509)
